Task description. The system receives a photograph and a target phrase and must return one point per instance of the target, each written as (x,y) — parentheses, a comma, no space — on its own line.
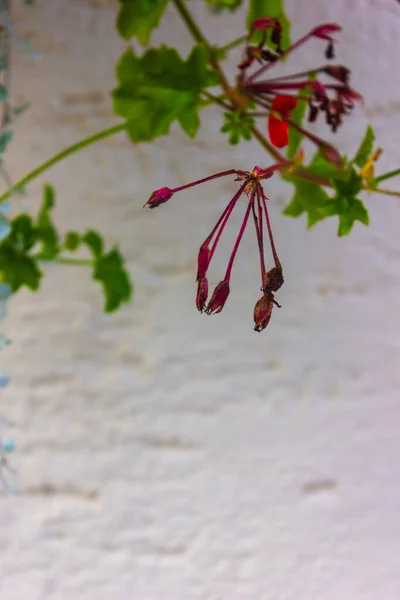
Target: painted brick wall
(165,454)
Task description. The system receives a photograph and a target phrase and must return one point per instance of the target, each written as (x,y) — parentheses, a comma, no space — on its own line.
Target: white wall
(166,454)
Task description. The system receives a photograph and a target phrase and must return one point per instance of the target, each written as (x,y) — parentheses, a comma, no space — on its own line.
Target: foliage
(31,242)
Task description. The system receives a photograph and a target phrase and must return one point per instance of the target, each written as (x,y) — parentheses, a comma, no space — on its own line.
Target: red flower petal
(278,130)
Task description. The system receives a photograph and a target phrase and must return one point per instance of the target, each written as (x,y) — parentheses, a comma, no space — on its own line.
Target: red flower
(256,206)
(278,128)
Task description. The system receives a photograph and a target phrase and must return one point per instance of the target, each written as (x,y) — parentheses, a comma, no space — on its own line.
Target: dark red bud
(330,51)
(203,261)
(276,38)
(330,154)
(262,313)
(218,298)
(202,293)
(272,280)
(263,23)
(269,56)
(338,72)
(325,30)
(159,197)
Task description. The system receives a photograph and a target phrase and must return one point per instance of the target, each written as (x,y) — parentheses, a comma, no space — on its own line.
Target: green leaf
(308,197)
(23,234)
(237,126)
(137,18)
(110,272)
(220,5)
(365,148)
(321,167)
(274,9)
(5,139)
(160,87)
(72,241)
(94,242)
(354,210)
(18,269)
(348,187)
(345,204)
(46,231)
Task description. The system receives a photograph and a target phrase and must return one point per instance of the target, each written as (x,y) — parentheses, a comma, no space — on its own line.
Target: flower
(159,197)
(262,313)
(278,128)
(272,279)
(278,96)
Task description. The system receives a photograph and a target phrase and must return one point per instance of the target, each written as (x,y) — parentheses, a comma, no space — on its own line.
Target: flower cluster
(272,279)
(280,95)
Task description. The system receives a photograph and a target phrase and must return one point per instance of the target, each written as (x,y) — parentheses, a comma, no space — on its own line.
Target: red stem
(222,174)
(239,237)
(271,238)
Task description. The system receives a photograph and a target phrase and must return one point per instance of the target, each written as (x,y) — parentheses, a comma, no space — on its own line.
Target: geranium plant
(156,87)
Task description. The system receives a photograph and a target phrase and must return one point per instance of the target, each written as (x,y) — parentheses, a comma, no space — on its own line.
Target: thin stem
(222,221)
(190,22)
(239,237)
(283,55)
(61,155)
(63,260)
(209,178)
(216,100)
(386,192)
(387,175)
(265,144)
(233,44)
(271,237)
(258,224)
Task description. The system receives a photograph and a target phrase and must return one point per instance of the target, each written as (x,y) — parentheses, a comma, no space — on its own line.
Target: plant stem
(216,100)
(386,192)
(190,23)
(233,44)
(63,260)
(61,155)
(387,175)
(199,37)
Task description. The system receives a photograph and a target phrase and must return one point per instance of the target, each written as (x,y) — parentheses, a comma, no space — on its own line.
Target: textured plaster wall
(165,454)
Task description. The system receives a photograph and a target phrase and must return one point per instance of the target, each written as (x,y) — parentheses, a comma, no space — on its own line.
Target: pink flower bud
(325,30)
(203,261)
(264,23)
(159,197)
(202,293)
(218,298)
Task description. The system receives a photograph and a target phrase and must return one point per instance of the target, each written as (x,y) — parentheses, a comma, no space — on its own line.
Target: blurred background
(166,454)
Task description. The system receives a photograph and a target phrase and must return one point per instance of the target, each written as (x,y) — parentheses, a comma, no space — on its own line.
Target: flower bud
(324,31)
(263,23)
(218,298)
(330,154)
(203,261)
(202,293)
(159,197)
(262,313)
(272,280)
